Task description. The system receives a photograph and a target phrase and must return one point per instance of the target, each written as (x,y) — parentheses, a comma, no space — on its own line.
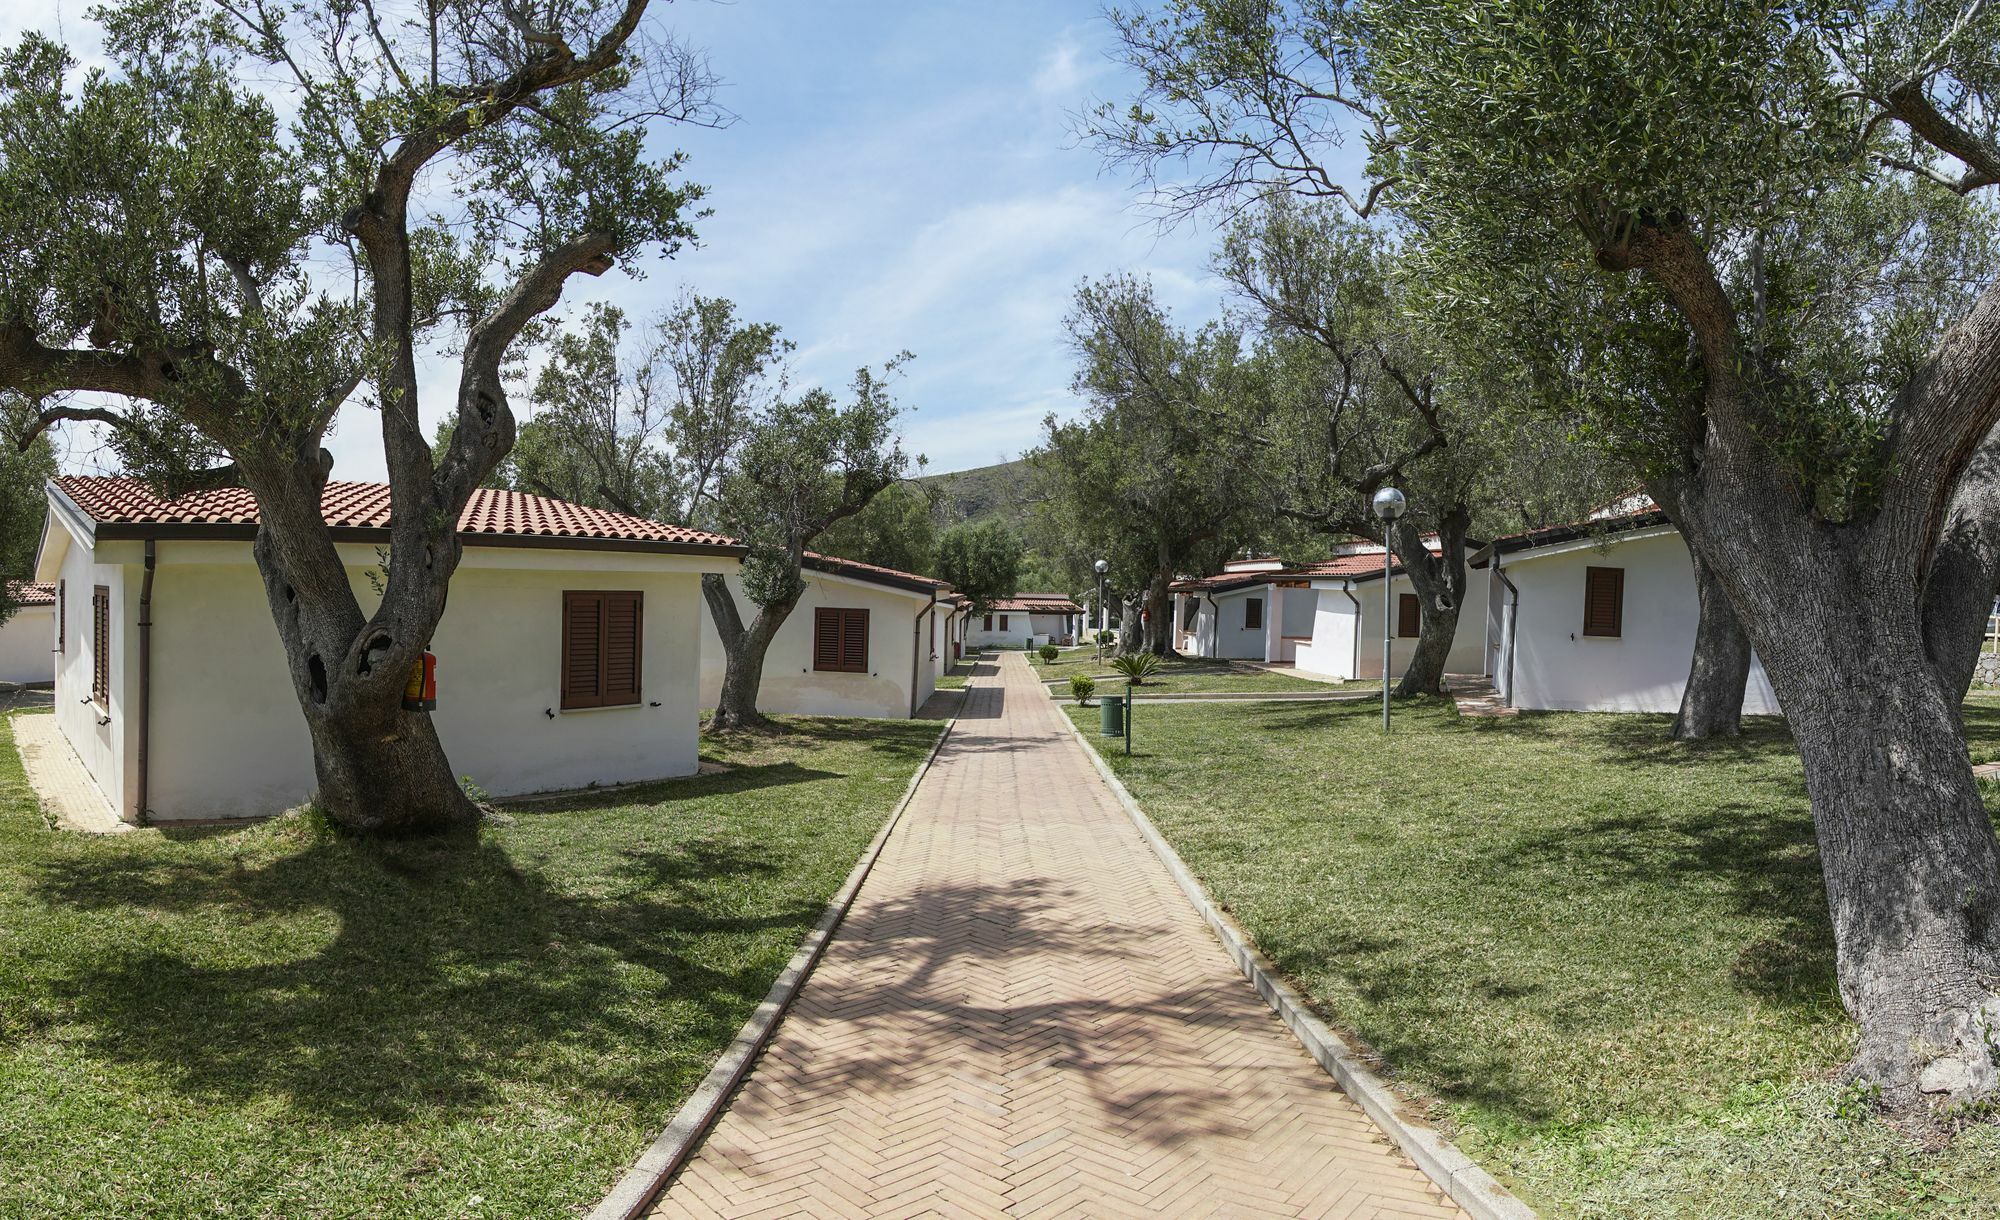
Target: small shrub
(1082,687)
(1137,667)
(1049,654)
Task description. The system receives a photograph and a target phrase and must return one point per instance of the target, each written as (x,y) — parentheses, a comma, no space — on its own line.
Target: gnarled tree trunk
(1131,638)
(743,649)
(1160,615)
(1439,583)
(379,767)
(1906,847)
(1841,614)
(1719,672)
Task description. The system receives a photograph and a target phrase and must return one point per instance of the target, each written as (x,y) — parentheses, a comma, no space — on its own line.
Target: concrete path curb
(636,1190)
(1471,1187)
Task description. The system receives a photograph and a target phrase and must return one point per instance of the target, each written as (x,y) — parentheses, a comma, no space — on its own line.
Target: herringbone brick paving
(1022,1016)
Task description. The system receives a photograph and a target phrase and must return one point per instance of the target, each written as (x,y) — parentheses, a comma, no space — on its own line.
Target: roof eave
(239,531)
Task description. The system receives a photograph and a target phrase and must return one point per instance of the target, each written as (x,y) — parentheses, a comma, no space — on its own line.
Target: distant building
(1026,620)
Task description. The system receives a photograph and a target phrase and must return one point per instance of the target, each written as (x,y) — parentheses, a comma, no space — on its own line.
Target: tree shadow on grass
(686,788)
(393,980)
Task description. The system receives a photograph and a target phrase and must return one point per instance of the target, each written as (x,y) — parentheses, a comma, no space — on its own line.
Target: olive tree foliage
(806,462)
(254,213)
(1797,195)
(24,506)
(1358,402)
(1155,475)
(648,428)
(1241,101)
(981,561)
(897,530)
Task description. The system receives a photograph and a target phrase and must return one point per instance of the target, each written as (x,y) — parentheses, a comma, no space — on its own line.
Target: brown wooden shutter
(1003,622)
(826,639)
(582,644)
(62,616)
(1253,613)
(100,645)
(854,642)
(622,615)
(989,622)
(1604,601)
(1409,616)
(840,640)
(601,651)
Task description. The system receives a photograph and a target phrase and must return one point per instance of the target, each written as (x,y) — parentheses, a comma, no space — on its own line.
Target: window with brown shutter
(1253,613)
(1604,601)
(1409,616)
(601,652)
(100,646)
(989,623)
(62,615)
(840,640)
(1003,622)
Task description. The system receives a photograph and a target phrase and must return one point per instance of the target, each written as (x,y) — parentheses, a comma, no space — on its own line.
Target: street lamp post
(1389,505)
(1102,566)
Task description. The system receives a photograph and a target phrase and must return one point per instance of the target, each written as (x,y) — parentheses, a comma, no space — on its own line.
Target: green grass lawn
(1604,960)
(1182,677)
(271,1020)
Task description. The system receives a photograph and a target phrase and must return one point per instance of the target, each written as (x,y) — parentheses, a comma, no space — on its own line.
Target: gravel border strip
(642,1183)
(1457,1174)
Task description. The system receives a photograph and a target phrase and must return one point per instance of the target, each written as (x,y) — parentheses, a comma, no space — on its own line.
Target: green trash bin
(1111,715)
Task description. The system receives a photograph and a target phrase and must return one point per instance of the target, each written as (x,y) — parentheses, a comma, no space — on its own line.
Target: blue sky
(899,177)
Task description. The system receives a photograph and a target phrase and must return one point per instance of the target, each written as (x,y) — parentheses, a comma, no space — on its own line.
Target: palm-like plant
(1136,667)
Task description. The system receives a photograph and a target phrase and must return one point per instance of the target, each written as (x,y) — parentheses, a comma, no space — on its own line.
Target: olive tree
(1359,402)
(1272,103)
(807,461)
(1156,474)
(255,211)
(1799,187)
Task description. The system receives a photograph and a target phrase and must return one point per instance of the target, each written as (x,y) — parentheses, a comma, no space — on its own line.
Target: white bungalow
(171,685)
(1598,616)
(28,638)
(1322,618)
(1026,620)
(863,641)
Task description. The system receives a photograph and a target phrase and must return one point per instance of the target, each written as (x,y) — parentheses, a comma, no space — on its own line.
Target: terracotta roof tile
(1343,566)
(1641,514)
(488,514)
(1037,603)
(31,593)
(857,570)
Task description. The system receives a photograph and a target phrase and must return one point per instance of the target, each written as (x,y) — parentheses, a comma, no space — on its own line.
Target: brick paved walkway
(1022,1016)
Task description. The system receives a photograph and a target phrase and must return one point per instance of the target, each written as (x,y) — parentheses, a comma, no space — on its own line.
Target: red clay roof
(1353,567)
(31,593)
(489,516)
(1644,514)
(875,573)
(1037,603)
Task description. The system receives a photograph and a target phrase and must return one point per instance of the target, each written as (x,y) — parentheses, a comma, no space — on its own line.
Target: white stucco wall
(1016,633)
(227,739)
(1333,650)
(793,686)
(1224,631)
(1644,669)
(105,749)
(27,643)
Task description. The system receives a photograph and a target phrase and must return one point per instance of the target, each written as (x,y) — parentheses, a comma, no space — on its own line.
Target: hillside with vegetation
(1000,492)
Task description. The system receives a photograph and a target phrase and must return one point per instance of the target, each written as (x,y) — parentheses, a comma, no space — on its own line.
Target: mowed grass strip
(1184,676)
(274,1020)
(1604,959)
